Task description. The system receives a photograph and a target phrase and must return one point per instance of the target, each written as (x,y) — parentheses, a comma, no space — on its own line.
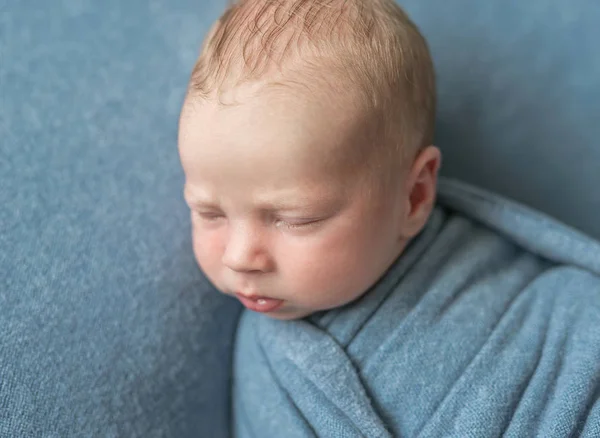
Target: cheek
(339,262)
(208,249)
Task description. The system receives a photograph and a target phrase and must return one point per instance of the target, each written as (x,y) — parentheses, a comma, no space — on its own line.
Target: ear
(421,188)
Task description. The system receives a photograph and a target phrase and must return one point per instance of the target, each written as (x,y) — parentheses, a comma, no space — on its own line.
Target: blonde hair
(371,45)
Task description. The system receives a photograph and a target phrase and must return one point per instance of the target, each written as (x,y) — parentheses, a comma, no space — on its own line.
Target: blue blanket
(488,325)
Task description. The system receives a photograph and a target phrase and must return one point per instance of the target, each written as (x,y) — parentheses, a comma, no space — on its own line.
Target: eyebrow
(198,201)
(275,206)
(295,206)
(295,201)
(299,204)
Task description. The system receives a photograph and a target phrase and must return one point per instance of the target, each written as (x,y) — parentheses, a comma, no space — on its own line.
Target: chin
(290,315)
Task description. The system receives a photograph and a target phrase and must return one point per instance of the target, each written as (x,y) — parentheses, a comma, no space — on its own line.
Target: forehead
(274,130)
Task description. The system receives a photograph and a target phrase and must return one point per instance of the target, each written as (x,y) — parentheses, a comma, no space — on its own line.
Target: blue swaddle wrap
(487,325)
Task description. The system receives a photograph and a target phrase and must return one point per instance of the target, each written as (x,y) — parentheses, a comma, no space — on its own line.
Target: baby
(306,140)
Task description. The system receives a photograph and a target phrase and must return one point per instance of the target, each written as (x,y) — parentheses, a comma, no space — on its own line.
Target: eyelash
(299,225)
(208,217)
(213,217)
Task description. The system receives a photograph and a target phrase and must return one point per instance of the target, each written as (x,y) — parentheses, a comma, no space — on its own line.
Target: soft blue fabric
(519,99)
(107,327)
(488,325)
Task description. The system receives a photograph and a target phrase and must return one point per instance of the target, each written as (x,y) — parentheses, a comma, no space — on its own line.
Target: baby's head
(306,139)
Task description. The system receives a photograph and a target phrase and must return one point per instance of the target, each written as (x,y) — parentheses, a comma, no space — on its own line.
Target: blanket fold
(488,325)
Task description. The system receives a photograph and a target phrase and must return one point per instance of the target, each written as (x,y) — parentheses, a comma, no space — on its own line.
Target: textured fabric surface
(519,99)
(488,325)
(107,328)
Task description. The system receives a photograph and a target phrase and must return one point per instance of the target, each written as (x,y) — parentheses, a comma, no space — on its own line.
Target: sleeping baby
(306,140)
(382,300)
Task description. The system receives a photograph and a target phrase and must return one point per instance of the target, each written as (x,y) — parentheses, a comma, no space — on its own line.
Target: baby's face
(281,218)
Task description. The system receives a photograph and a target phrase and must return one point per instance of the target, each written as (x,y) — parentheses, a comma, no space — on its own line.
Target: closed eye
(298,223)
(209,216)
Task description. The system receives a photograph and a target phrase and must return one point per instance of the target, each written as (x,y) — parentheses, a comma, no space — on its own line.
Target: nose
(246,250)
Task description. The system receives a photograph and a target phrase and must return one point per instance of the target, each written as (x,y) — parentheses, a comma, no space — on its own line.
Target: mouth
(259,304)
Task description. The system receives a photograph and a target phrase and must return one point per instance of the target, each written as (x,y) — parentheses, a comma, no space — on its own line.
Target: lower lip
(259,304)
